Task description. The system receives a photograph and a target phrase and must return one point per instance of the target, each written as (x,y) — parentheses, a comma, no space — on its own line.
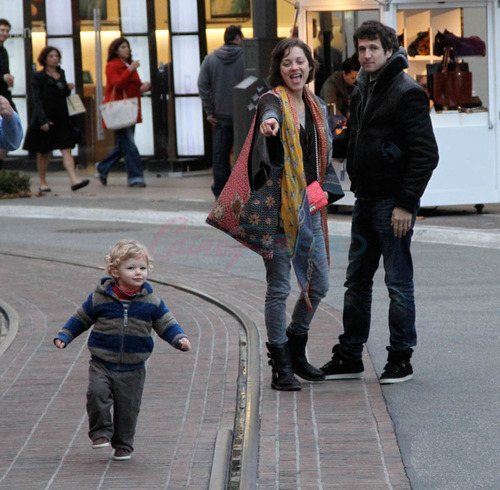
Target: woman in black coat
(50,127)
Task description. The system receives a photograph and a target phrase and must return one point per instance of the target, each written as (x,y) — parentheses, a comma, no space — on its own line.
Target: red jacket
(118,76)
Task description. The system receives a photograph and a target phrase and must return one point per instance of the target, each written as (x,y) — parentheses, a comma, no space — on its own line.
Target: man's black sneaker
(341,367)
(396,372)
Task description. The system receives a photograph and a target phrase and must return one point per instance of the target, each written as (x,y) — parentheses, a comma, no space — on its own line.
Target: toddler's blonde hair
(124,250)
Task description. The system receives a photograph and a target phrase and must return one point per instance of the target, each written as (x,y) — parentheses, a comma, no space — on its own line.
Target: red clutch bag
(316,195)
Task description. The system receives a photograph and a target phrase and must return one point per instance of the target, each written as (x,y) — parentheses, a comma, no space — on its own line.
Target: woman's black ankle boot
(300,364)
(283,377)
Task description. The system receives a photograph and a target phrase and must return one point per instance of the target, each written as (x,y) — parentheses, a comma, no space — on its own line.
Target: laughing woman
(288,149)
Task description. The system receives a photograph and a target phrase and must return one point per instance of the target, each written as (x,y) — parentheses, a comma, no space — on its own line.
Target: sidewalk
(330,435)
(189,196)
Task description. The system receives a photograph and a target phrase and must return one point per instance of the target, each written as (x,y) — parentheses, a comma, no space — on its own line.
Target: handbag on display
(316,196)
(75,105)
(452,86)
(119,114)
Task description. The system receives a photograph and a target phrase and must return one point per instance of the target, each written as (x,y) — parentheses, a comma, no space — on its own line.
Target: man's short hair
(5,22)
(231,32)
(351,64)
(373,29)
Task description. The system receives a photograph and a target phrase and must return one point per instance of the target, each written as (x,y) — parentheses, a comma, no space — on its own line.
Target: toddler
(123,309)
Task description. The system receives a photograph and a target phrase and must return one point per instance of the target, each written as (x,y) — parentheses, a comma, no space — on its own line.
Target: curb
(12,321)
(425,234)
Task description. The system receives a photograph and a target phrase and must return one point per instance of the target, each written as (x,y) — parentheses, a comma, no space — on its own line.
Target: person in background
(338,87)
(6,79)
(122,80)
(123,311)
(219,73)
(391,153)
(50,127)
(325,71)
(11,130)
(290,149)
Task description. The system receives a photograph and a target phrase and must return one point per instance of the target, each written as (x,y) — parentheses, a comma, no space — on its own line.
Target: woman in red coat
(123,80)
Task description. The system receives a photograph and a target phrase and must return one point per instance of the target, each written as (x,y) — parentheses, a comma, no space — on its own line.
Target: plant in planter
(14,184)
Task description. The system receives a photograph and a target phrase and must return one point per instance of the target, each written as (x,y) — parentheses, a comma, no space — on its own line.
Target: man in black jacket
(391,154)
(6,79)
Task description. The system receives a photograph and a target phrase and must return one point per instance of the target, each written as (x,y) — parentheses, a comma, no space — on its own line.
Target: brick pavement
(329,435)
(188,397)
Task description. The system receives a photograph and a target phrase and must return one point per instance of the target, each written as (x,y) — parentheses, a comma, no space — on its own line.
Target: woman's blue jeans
(278,289)
(125,147)
(372,237)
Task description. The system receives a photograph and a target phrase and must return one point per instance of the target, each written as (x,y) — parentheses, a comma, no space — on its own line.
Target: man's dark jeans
(372,237)
(221,154)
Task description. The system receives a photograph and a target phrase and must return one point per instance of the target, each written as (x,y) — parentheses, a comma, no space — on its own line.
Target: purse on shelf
(119,114)
(75,105)
(452,86)
(316,196)
(462,46)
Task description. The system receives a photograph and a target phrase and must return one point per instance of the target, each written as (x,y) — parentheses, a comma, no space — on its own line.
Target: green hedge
(14,184)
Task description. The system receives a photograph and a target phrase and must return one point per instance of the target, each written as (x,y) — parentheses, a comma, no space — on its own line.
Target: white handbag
(75,105)
(119,114)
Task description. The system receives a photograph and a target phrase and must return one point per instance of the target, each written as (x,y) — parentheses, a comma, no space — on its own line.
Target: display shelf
(412,22)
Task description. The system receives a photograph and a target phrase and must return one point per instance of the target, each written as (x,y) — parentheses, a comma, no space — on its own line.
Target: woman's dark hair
(373,29)
(113,48)
(42,57)
(280,51)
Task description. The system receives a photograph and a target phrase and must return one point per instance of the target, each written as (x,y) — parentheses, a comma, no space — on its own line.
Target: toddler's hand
(184,344)
(59,343)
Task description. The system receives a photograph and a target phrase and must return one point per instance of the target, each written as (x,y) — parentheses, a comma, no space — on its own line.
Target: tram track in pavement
(234,464)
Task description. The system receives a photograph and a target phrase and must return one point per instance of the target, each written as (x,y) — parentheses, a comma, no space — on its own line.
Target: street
(446,418)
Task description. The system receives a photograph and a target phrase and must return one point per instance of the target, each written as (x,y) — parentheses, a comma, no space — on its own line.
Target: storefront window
(329,33)
(423,32)
(134,16)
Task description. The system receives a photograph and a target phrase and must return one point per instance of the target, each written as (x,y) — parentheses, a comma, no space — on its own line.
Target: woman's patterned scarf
(295,215)
(293,188)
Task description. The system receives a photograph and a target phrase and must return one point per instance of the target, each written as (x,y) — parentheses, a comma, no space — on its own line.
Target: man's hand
(9,79)
(401,221)
(212,120)
(6,110)
(270,127)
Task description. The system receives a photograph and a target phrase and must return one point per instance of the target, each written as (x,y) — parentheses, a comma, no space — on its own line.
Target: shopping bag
(119,114)
(75,105)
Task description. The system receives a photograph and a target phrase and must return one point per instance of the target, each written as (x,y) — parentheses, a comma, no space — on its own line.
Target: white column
(184,37)
(134,26)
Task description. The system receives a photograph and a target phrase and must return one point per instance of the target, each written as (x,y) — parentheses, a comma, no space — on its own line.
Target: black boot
(398,368)
(283,378)
(300,365)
